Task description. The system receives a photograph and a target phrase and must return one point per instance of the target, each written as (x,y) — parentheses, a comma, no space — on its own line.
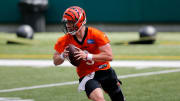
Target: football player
(95,72)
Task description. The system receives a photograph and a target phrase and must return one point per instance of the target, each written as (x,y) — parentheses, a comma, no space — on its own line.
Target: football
(73,60)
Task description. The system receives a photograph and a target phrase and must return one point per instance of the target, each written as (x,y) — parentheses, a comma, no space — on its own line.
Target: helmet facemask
(69,27)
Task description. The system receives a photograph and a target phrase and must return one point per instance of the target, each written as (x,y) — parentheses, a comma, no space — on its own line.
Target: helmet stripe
(79,19)
(68,15)
(76,10)
(74,15)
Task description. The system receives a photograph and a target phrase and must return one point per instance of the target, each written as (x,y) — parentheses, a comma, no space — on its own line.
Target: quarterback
(95,72)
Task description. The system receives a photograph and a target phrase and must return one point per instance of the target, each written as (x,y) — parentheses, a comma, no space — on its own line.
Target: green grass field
(162,87)
(167,47)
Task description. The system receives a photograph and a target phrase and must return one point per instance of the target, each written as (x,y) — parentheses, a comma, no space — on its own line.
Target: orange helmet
(76,16)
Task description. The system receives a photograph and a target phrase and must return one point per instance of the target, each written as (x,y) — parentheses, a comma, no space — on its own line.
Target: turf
(162,87)
(165,48)
(153,88)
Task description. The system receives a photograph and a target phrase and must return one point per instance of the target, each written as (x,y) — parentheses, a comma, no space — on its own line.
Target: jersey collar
(85,35)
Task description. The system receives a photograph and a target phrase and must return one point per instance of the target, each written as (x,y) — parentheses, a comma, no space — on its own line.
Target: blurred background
(117,15)
(145,40)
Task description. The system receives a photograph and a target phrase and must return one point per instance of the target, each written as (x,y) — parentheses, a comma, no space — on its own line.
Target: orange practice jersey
(92,40)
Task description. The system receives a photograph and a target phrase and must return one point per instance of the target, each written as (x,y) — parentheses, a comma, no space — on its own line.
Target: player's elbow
(55,63)
(110,57)
(57,60)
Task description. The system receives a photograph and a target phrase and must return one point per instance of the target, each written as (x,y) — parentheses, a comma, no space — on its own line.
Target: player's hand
(80,54)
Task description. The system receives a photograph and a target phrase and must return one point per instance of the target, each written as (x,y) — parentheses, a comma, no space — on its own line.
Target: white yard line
(130,63)
(14,99)
(76,82)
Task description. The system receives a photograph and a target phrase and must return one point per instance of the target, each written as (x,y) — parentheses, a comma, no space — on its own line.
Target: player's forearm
(57,60)
(102,57)
(105,54)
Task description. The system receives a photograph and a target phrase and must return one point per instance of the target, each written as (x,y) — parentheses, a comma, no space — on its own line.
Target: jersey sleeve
(60,44)
(101,39)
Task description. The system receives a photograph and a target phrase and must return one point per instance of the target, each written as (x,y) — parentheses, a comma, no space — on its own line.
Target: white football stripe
(14,99)
(39,86)
(76,82)
(116,63)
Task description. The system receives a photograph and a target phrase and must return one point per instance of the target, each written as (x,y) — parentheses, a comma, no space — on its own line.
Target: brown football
(73,60)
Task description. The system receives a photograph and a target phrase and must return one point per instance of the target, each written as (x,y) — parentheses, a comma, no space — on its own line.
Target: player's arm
(104,55)
(59,58)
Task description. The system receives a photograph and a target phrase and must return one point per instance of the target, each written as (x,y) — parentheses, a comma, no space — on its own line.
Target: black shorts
(105,79)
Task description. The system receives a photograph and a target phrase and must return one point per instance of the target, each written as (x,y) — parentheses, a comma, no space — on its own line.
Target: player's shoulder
(63,38)
(94,30)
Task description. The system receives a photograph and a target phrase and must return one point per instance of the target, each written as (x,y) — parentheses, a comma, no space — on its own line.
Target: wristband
(89,56)
(61,56)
